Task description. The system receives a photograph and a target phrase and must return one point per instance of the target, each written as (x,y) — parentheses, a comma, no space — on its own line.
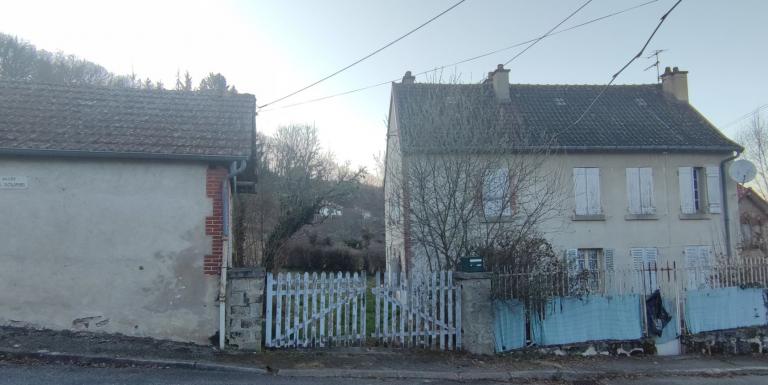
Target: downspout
(724,194)
(226,249)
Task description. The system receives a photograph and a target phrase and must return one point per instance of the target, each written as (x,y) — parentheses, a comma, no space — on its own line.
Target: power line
(742,117)
(548,32)
(473,58)
(613,78)
(366,56)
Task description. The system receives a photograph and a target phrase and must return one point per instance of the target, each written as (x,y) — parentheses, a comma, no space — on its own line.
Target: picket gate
(421,312)
(317,310)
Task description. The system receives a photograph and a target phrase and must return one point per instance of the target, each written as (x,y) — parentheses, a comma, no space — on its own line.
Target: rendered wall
(107,245)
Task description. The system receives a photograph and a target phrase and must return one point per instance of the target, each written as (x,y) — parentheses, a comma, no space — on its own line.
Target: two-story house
(640,173)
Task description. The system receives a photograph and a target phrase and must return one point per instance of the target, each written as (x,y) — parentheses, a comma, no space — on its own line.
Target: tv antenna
(655,54)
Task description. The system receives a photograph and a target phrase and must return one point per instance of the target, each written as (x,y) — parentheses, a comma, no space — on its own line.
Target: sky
(272,48)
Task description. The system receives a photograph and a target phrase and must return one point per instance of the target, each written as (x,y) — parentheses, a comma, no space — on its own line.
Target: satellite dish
(742,171)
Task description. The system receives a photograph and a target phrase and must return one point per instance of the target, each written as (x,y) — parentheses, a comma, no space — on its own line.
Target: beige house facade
(640,175)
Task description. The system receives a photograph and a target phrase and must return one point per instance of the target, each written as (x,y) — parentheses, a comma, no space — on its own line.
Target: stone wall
(245,298)
(733,341)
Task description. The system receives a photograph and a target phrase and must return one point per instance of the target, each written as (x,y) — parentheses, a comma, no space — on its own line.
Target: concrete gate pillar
(245,295)
(476,312)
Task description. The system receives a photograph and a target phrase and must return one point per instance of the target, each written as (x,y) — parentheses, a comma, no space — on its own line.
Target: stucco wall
(107,245)
(667,232)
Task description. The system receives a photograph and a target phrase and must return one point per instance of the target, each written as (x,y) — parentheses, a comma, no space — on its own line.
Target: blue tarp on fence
(508,325)
(724,308)
(591,318)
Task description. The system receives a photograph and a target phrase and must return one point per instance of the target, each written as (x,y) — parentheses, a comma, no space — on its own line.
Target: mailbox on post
(471,265)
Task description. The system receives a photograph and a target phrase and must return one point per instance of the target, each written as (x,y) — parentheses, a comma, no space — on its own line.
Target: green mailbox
(471,265)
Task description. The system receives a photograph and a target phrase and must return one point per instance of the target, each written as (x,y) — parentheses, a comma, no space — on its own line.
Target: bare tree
(301,179)
(754,139)
(458,195)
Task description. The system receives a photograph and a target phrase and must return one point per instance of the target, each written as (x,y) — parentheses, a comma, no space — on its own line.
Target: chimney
(675,83)
(500,80)
(408,78)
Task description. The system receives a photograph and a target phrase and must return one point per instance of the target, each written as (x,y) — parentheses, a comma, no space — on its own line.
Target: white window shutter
(713,189)
(571,258)
(608,259)
(651,256)
(633,190)
(705,256)
(637,257)
(646,190)
(685,177)
(593,191)
(580,190)
(691,256)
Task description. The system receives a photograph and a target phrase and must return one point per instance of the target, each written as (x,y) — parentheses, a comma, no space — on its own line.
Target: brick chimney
(675,83)
(408,78)
(500,81)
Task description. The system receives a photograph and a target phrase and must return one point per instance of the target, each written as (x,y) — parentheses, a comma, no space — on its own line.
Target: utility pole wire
(742,117)
(465,60)
(540,38)
(366,56)
(613,78)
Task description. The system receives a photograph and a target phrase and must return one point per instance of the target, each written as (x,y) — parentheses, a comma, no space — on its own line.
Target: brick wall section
(212,261)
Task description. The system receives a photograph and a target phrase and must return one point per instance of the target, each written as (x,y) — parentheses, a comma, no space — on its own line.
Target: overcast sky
(271,48)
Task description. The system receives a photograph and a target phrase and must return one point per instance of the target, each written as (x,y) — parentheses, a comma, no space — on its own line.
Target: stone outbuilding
(114,207)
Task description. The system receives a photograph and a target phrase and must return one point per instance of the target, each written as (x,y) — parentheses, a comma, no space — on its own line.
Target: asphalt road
(13,374)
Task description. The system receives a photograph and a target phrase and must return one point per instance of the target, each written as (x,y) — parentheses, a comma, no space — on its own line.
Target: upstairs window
(640,190)
(699,189)
(497,194)
(586,187)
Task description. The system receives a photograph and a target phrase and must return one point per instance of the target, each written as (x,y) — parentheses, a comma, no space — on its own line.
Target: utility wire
(366,56)
(540,38)
(751,113)
(466,60)
(613,78)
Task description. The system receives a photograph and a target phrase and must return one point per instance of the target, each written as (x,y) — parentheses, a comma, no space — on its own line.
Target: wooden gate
(422,312)
(304,310)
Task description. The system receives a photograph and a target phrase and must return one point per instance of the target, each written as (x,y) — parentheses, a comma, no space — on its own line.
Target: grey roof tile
(467,117)
(36,118)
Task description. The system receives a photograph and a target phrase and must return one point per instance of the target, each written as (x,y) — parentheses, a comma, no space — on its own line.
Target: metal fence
(526,282)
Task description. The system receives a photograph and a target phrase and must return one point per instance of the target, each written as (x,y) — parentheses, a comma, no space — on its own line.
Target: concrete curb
(127,361)
(470,375)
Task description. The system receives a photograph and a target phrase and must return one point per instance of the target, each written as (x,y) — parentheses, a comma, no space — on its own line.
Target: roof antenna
(655,54)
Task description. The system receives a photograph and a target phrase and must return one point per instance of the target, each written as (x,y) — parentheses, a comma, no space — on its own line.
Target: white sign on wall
(13,182)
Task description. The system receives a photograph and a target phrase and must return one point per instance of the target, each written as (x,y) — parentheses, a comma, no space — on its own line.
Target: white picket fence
(422,312)
(304,310)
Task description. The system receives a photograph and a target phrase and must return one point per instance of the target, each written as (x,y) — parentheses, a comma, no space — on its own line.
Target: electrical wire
(473,58)
(613,78)
(540,38)
(742,117)
(366,56)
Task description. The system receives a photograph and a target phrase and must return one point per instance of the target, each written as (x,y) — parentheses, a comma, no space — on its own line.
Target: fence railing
(304,310)
(524,282)
(423,311)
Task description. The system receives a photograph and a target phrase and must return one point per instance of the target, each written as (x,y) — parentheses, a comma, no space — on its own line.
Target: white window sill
(594,217)
(694,216)
(500,219)
(641,217)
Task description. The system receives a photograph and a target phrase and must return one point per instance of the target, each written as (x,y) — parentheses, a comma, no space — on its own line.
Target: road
(12,374)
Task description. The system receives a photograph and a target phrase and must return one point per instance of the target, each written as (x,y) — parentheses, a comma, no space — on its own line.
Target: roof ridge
(92,87)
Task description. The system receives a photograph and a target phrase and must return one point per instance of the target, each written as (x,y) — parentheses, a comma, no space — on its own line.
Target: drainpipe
(724,194)
(226,249)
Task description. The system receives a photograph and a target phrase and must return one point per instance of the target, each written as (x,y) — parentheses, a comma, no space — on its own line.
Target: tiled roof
(94,121)
(468,117)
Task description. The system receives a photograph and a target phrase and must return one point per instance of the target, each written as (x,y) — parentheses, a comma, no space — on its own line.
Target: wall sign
(13,182)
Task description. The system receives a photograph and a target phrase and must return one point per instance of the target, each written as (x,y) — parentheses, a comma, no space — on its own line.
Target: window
(699,189)
(747,236)
(698,265)
(586,183)
(586,267)
(640,190)
(644,261)
(497,195)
